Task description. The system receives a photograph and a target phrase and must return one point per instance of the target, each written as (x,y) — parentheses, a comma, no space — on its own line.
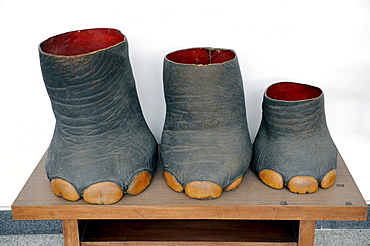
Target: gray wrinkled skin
(100,132)
(294,140)
(205,135)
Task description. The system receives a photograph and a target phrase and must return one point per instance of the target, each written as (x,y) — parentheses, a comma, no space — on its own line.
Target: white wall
(323,43)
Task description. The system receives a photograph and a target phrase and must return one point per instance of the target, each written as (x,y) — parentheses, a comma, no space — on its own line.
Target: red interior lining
(289,91)
(201,56)
(82,42)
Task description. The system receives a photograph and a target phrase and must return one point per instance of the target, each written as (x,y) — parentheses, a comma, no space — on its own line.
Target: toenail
(271,178)
(64,189)
(234,185)
(328,179)
(203,190)
(103,193)
(139,184)
(172,182)
(303,184)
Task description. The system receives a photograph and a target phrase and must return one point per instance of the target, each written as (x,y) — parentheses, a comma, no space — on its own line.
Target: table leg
(306,234)
(71,233)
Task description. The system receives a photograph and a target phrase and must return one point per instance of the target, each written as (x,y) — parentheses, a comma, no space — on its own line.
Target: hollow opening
(201,56)
(289,91)
(82,42)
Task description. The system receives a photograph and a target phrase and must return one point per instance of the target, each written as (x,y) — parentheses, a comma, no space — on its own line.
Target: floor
(323,237)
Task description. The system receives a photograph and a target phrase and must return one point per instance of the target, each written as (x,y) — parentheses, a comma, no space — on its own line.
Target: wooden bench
(254,214)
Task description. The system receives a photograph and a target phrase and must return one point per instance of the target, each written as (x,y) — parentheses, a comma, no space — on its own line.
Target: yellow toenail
(234,185)
(172,182)
(303,184)
(271,178)
(64,189)
(103,193)
(329,179)
(139,184)
(203,190)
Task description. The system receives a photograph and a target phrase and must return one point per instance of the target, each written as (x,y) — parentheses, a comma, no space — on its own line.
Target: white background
(322,43)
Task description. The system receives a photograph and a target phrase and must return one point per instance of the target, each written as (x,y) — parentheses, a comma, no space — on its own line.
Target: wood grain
(71,232)
(306,236)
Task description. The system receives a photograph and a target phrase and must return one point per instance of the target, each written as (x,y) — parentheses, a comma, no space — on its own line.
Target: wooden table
(255,214)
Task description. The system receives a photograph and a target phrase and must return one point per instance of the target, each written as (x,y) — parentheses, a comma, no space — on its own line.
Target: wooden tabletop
(251,201)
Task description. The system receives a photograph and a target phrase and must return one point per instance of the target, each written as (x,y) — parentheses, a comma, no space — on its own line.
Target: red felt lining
(82,42)
(201,56)
(289,91)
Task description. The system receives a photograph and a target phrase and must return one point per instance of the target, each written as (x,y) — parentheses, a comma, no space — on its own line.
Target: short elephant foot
(100,193)
(200,189)
(297,184)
